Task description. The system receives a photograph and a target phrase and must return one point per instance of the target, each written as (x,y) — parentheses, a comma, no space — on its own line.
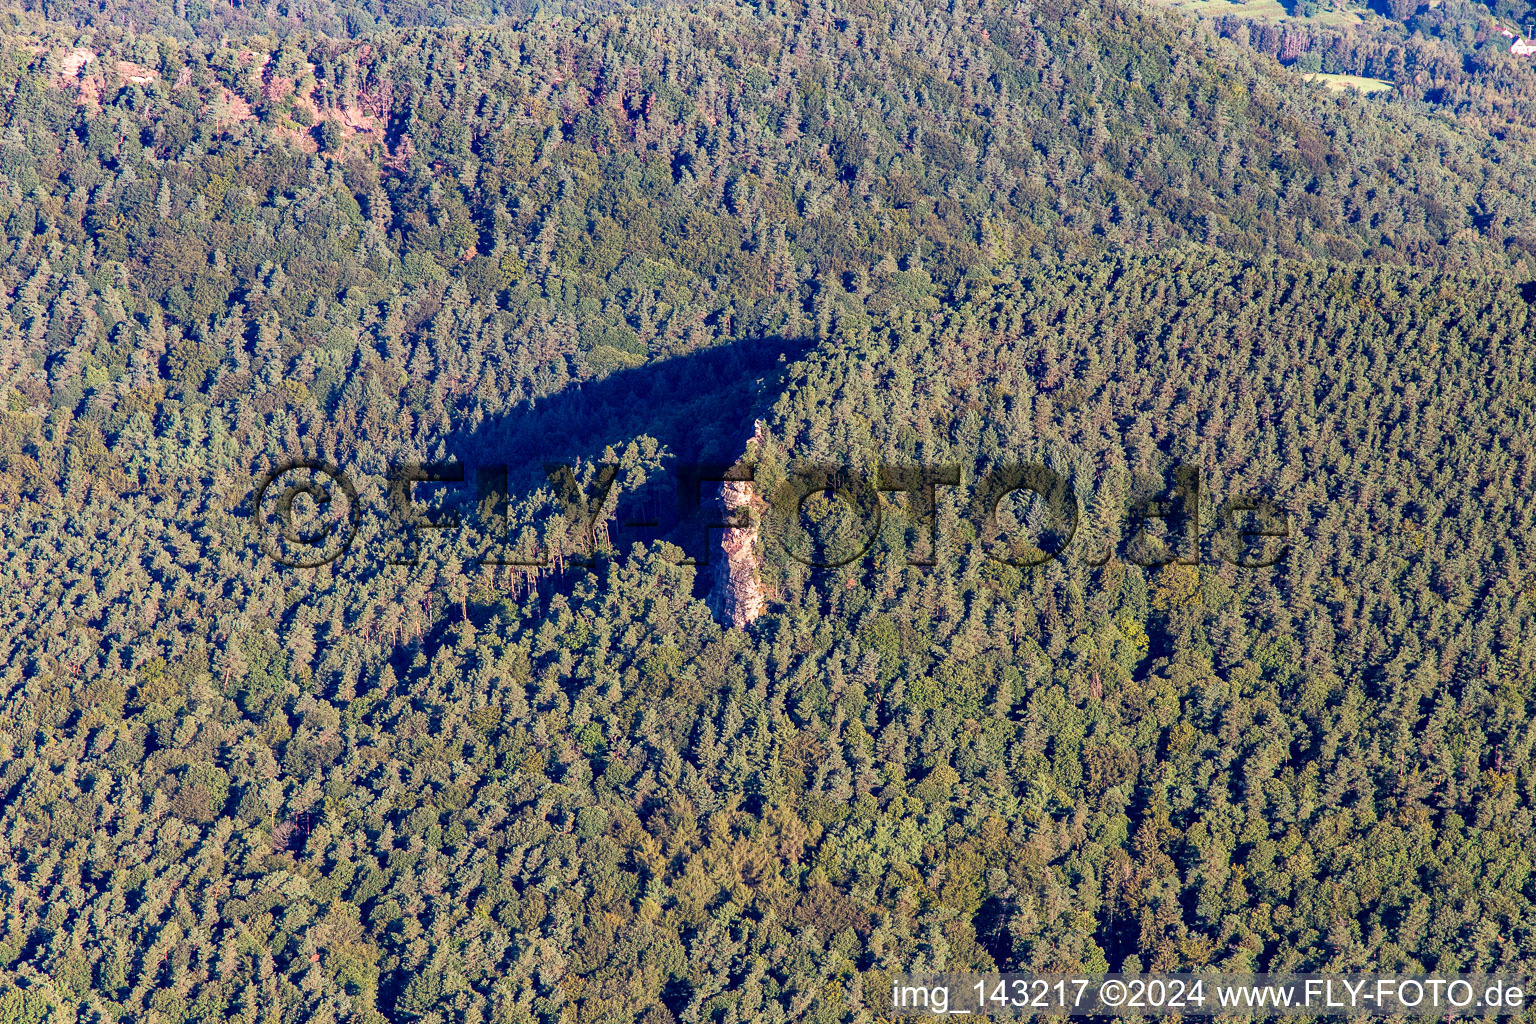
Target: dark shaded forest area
(1100,238)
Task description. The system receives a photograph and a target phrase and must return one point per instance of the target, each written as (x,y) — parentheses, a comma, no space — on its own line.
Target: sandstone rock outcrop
(736,593)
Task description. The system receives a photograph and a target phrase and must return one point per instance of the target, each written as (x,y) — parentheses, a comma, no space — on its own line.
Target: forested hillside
(1097,237)
(1453,58)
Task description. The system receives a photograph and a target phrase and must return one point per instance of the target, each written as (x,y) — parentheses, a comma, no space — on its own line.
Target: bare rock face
(736,594)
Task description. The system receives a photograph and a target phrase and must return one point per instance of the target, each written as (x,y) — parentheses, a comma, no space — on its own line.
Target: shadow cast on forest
(700,407)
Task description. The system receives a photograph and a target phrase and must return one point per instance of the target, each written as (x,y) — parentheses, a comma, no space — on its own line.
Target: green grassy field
(1266,10)
(1368,86)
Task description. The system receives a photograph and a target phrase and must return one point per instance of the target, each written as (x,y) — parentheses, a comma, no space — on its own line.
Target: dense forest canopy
(1102,238)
